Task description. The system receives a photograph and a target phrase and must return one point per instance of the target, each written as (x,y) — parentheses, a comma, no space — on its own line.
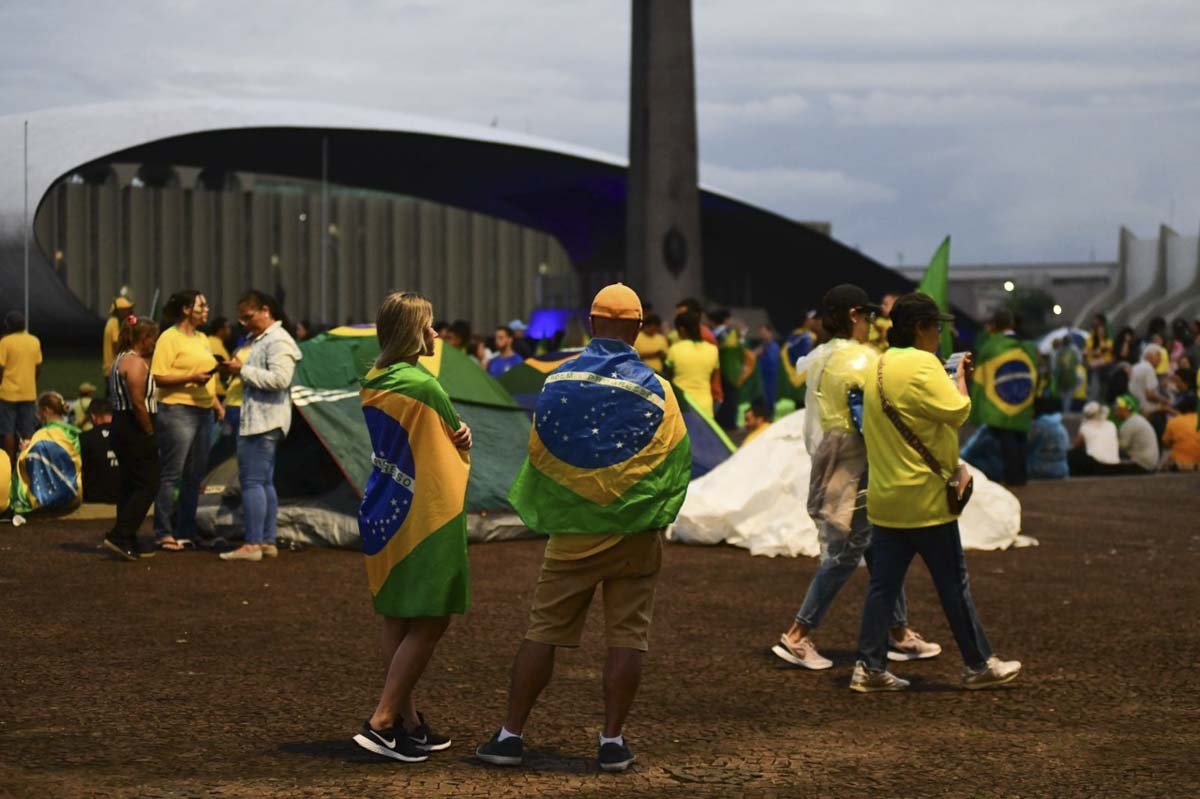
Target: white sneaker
(803,654)
(865,681)
(913,647)
(996,672)
(243,553)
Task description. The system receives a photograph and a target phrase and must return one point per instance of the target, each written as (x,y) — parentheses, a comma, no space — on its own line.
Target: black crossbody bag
(959,486)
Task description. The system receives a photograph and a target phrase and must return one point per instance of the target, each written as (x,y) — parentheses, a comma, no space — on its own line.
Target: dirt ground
(187,676)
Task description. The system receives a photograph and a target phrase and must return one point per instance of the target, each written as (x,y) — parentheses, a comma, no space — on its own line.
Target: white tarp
(757,500)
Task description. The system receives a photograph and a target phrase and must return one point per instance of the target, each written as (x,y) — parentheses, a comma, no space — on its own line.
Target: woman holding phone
(183,369)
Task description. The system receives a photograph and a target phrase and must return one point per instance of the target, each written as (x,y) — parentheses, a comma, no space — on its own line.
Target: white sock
(505,734)
(619,740)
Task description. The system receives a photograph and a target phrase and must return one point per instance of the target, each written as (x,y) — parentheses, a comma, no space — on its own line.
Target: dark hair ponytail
(176,304)
(133,330)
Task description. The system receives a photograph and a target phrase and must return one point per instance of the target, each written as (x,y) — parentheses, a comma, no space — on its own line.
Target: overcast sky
(1029,130)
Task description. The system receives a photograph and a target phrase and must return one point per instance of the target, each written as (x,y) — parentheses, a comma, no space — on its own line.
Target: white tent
(757,500)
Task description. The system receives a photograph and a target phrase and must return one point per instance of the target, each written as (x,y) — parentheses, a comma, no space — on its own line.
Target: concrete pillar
(108,268)
(484,283)
(456,265)
(663,259)
(167,261)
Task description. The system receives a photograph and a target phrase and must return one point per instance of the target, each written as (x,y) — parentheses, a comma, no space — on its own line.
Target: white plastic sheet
(757,500)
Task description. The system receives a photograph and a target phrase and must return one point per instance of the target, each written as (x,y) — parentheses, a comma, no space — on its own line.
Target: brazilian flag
(412,519)
(609,451)
(733,358)
(1006,377)
(49,471)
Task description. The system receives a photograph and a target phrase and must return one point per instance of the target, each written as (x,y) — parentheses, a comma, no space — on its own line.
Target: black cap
(846,297)
(916,307)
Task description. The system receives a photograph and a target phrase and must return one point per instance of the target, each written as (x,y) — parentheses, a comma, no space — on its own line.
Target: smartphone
(952,363)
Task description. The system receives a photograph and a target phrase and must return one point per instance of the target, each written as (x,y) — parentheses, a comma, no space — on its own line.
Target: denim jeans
(256,473)
(184,433)
(840,554)
(941,548)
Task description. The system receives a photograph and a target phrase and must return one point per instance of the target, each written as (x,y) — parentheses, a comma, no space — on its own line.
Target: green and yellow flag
(936,283)
(412,519)
(609,450)
(1004,385)
(49,471)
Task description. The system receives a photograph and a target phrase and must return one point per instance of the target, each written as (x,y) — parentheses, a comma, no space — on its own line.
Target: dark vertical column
(663,260)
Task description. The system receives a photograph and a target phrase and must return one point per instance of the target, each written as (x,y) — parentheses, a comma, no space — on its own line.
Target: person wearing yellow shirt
(694,363)
(907,502)
(652,345)
(121,307)
(20,365)
(837,371)
(756,420)
(183,367)
(218,333)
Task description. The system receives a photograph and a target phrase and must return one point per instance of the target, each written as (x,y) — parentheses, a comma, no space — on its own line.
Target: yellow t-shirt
(694,362)
(902,491)
(218,348)
(851,366)
(108,344)
(753,434)
(233,394)
(179,354)
(20,355)
(647,345)
(1183,440)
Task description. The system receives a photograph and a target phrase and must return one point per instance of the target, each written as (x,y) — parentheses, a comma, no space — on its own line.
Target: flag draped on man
(412,518)
(936,283)
(49,471)
(1002,391)
(609,452)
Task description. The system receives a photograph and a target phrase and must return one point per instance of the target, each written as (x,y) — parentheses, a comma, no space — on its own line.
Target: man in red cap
(608,468)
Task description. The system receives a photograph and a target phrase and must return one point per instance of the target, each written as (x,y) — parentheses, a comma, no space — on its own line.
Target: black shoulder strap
(905,431)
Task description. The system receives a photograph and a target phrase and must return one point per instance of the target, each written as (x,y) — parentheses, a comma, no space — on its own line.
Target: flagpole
(25,225)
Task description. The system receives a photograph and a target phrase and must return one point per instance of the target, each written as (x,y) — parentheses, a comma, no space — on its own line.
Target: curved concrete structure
(751,256)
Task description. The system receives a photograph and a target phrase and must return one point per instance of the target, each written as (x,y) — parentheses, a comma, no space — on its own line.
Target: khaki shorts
(628,572)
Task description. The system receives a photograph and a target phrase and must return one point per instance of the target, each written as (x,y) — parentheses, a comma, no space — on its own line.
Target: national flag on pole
(609,451)
(412,519)
(1004,384)
(936,284)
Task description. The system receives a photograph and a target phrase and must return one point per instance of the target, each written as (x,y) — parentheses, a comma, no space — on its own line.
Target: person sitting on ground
(506,357)
(101,470)
(652,345)
(1146,388)
(1046,458)
(49,470)
(1182,438)
(757,419)
(1135,434)
(79,407)
(1095,450)
(20,366)
(608,468)
(982,451)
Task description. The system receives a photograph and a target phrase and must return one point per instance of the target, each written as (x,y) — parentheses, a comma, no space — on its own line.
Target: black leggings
(137,456)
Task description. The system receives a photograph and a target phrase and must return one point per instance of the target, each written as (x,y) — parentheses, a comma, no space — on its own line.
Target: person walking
(608,468)
(131,390)
(264,420)
(911,414)
(20,365)
(412,521)
(184,372)
(837,372)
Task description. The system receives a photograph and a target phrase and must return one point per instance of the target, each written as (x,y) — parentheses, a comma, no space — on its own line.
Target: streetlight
(1057,309)
(1009,285)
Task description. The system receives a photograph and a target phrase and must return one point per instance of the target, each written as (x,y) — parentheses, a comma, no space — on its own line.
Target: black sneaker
(509,752)
(391,743)
(426,739)
(615,757)
(119,549)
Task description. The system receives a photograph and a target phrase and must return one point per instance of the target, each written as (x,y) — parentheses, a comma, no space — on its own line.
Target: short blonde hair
(400,325)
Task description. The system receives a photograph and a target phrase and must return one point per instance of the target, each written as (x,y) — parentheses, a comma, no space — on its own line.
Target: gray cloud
(1028,130)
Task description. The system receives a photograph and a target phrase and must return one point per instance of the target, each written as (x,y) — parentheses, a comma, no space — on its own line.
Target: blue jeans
(184,433)
(840,554)
(941,548)
(256,473)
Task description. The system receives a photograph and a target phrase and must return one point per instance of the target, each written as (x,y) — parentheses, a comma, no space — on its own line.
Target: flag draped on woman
(49,471)
(608,452)
(412,518)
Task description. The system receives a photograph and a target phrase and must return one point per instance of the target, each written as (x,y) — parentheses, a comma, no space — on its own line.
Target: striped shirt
(118,389)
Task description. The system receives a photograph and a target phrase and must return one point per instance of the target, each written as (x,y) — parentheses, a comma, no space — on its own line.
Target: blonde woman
(412,520)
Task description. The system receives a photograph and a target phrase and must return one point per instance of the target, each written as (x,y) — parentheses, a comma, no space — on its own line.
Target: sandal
(171,545)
